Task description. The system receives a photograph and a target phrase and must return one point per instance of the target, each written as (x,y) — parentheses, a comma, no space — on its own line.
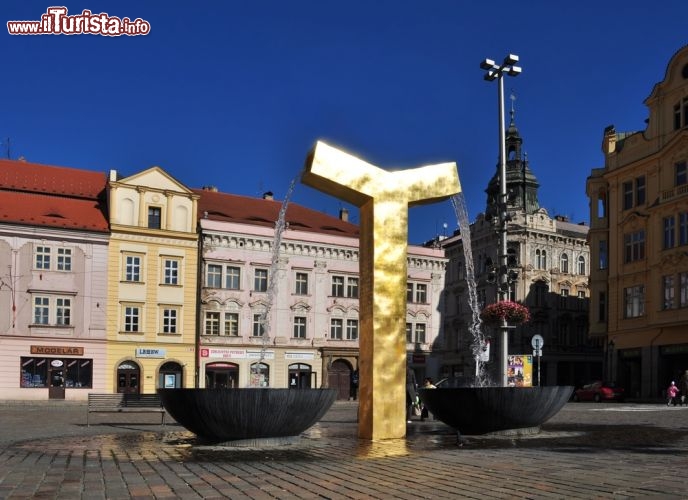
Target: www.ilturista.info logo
(56,22)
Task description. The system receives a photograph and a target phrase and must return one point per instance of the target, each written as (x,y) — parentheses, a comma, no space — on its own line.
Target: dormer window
(681,114)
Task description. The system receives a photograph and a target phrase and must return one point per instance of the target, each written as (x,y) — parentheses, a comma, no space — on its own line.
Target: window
(213,276)
(683,289)
(417,293)
(681,177)
(409,333)
(43,258)
(132,315)
(420,333)
(634,246)
(258,325)
(602,307)
(169,320)
(604,254)
(78,372)
(132,268)
(232,324)
(212,323)
(540,294)
(683,228)
(299,327)
(564,263)
(260,375)
(627,188)
(640,191)
(581,265)
(63,311)
(41,310)
(544,259)
(260,280)
(64,259)
(667,292)
(154,217)
(351,329)
(338,286)
(352,287)
(564,298)
(55,311)
(336,327)
(171,270)
(634,301)
(538,259)
(301,283)
(233,278)
(669,232)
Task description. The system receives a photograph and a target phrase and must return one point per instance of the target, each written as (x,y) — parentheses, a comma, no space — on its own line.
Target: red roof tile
(32,177)
(264,212)
(41,195)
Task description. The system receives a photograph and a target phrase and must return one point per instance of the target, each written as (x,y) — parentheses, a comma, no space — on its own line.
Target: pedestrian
(411,395)
(672,392)
(683,386)
(424,412)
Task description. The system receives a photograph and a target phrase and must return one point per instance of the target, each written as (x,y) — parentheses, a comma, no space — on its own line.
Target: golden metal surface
(383,198)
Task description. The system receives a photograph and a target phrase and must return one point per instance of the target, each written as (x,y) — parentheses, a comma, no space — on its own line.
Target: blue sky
(235,93)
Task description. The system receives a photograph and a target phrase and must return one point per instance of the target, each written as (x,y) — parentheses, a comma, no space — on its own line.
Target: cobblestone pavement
(586,451)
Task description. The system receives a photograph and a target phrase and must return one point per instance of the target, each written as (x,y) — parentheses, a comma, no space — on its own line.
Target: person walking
(424,412)
(411,395)
(683,386)
(672,392)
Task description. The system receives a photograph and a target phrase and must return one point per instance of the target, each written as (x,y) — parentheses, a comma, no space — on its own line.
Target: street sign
(537,342)
(537,352)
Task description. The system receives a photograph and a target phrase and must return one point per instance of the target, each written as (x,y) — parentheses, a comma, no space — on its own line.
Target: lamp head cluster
(494,71)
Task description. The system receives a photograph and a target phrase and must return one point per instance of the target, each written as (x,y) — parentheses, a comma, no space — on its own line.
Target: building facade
(311,338)
(639,242)
(152,283)
(548,268)
(53,257)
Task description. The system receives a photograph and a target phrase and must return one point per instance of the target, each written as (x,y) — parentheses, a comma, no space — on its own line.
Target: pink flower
(513,312)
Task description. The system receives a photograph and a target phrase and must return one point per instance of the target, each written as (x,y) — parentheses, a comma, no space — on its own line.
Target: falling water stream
(280,226)
(477,347)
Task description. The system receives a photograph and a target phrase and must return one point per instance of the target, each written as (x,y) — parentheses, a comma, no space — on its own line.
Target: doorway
(339,378)
(221,375)
(128,377)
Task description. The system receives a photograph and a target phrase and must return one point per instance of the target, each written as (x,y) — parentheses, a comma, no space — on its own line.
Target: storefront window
(78,373)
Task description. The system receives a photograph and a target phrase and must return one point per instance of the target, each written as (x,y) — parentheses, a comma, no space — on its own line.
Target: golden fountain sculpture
(383,198)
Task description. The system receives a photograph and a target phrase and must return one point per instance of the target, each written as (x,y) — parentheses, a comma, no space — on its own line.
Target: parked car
(599,391)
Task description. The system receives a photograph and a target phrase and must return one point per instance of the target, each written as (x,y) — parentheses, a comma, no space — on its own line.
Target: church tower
(521,184)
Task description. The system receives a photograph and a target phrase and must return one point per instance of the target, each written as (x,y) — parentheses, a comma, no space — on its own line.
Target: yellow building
(152,266)
(639,242)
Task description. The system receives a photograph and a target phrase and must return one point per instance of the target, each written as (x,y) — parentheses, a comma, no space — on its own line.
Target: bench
(124,403)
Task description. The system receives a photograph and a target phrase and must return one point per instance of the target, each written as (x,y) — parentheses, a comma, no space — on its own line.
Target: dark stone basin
(218,415)
(479,410)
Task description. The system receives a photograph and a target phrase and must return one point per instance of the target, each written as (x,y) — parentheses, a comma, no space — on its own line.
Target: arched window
(260,375)
(581,265)
(564,265)
(538,259)
(170,376)
(544,259)
(299,376)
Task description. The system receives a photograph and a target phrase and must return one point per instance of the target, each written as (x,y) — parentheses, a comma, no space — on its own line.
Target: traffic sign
(537,342)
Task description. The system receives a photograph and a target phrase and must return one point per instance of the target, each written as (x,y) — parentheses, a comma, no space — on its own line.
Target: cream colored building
(152,266)
(639,242)
(313,332)
(548,266)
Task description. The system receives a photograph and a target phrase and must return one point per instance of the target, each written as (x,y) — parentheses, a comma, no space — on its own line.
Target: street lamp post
(496,72)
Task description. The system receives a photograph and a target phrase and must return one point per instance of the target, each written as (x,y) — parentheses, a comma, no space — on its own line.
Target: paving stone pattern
(586,451)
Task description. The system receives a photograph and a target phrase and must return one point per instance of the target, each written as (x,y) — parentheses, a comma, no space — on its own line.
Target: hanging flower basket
(513,312)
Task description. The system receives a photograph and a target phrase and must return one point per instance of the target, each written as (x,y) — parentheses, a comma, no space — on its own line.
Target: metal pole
(503,284)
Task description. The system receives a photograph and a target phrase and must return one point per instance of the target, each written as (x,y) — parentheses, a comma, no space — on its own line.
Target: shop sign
(674,349)
(418,358)
(299,355)
(56,363)
(57,350)
(234,354)
(147,352)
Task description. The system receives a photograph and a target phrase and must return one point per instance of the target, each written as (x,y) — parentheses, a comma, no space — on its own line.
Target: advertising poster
(520,370)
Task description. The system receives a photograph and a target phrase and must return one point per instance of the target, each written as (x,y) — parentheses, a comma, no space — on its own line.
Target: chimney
(113,175)
(212,189)
(267,195)
(344,214)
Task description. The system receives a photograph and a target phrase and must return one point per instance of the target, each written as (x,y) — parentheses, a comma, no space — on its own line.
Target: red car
(599,391)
